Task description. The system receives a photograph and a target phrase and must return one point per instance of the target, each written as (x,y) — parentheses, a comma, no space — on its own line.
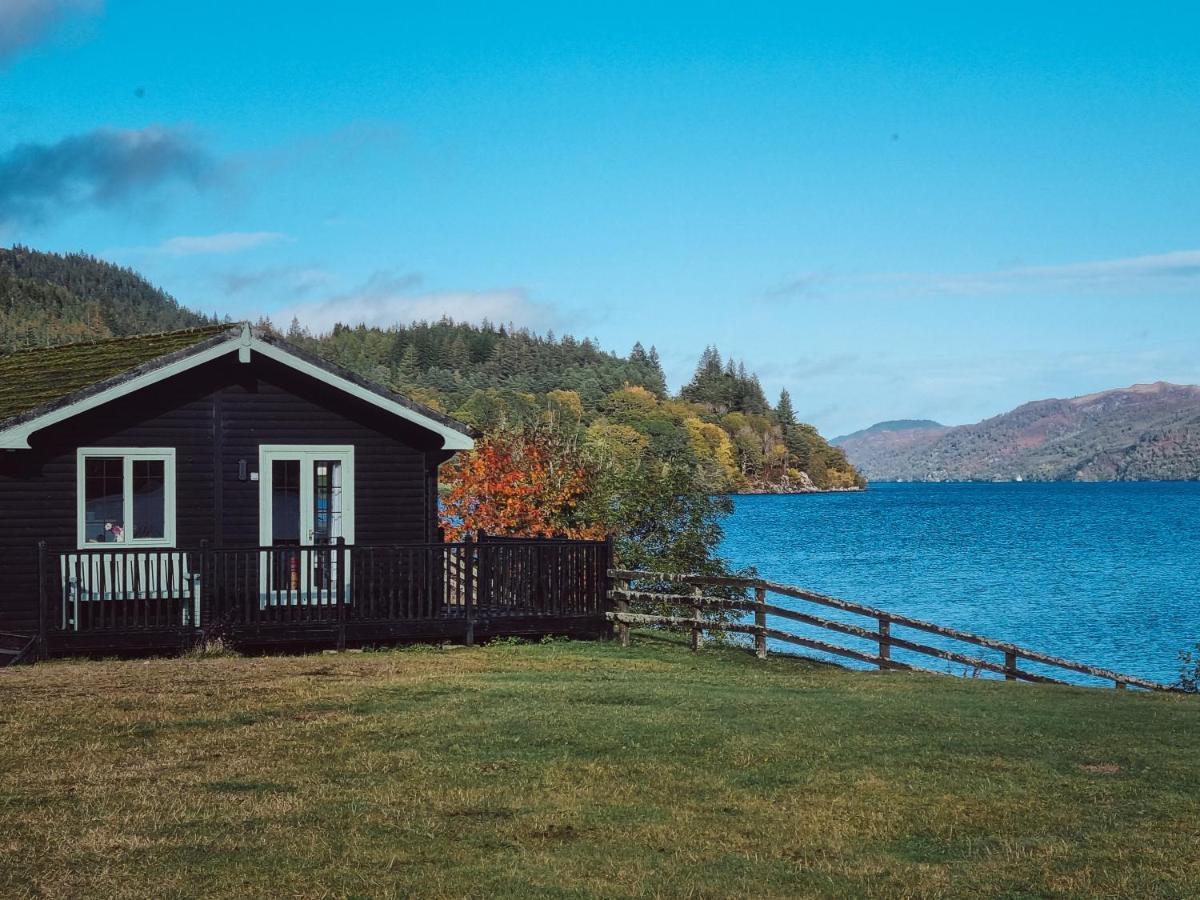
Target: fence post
(339,569)
(43,601)
(760,622)
(622,606)
(1010,665)
(697,612)
(469,589)
(885,642)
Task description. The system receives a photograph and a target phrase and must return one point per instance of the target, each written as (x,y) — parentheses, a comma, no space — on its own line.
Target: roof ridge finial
(244,342)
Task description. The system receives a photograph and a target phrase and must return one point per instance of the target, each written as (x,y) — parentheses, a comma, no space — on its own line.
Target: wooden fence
(882,635)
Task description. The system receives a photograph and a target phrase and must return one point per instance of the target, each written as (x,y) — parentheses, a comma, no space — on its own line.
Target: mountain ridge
(889,425)
(1138,433)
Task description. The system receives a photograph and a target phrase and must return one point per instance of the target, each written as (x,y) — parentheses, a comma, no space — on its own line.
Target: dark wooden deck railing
(882,635)
(125,590)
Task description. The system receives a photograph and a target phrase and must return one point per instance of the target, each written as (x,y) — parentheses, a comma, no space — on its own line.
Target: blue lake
(1107,574)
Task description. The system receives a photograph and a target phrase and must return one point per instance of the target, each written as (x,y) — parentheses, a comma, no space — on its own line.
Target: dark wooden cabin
(158,489)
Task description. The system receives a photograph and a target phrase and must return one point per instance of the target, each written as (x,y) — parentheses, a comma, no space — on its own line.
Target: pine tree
(409,369)
(657,379)
(457,357)
(784,413)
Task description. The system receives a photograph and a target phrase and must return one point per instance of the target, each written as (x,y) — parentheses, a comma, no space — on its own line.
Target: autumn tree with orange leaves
(518,483)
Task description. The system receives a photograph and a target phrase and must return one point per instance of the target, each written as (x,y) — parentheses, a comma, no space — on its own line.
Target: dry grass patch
(575,769)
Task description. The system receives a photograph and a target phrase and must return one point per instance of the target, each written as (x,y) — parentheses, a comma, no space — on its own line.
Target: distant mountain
(891,425)
(1142,433)
(50,298)
(876,449)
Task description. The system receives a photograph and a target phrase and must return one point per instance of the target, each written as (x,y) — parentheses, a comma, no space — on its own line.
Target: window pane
(327,500)
(104,499)
(285,501)
(149,498)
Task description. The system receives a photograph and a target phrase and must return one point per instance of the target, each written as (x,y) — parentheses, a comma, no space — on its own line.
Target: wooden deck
(106,601)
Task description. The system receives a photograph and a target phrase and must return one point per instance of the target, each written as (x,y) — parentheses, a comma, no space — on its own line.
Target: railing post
(339,572)
(483,593)
(1010,665)
(469,589)
(193,583)
(543,579)
(604,580)
(885,641)
(760,622)
(697,612)
(43,601)
(206,569)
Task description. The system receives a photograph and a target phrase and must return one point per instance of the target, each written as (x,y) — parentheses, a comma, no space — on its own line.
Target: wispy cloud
(224,242)
(291,281)
(390,298)
(25,22)
(809,367)
(101,168)
(1132,274)
(809,284)
(1179,265)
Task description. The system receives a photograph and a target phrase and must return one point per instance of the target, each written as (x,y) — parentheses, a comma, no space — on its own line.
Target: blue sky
(895,212)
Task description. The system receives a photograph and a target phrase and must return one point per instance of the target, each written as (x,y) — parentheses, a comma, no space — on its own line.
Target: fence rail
(881,635)
(322,586)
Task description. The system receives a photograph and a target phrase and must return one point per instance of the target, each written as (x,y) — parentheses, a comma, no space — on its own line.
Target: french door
(306,502)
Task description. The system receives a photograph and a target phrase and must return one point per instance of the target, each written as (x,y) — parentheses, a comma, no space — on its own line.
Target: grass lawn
(579,770)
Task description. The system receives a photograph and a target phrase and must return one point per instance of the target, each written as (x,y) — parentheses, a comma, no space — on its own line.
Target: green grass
(580,770)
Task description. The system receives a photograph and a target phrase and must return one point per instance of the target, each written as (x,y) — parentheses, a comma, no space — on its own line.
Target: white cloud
(224,242)
(389,299)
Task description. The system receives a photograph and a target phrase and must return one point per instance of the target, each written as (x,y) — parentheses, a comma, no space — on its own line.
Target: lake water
(1107,574)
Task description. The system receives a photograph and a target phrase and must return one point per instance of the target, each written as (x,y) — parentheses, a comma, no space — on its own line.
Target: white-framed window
(126,496)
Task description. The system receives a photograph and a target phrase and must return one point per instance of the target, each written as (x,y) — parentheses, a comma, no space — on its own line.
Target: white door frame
(306,454)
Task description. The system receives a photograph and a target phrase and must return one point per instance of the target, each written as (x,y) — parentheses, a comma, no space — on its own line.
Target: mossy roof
(32,379)
(34,382)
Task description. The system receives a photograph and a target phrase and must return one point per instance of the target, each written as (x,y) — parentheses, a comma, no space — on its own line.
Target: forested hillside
(48,298)
(575,440)
(493,376)
(1147,432)
(487,375)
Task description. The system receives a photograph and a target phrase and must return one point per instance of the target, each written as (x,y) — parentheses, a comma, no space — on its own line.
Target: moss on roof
(31,379)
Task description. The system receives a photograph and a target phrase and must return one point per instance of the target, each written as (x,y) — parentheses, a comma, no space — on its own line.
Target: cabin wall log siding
(214,415)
